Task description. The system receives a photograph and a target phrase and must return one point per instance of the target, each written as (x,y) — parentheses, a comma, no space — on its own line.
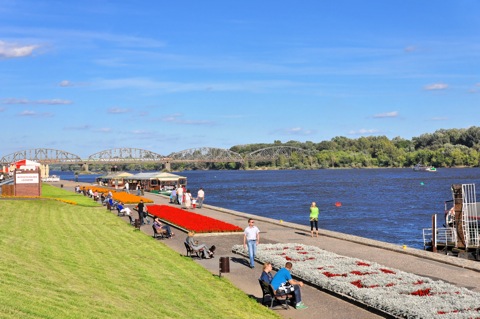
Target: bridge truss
(206,154)
(124,155)
(275,152)
(41,155)
(137,155)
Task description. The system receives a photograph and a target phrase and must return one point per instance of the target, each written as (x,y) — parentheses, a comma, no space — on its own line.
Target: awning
(26,162)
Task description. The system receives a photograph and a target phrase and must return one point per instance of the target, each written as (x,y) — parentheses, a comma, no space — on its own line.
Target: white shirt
(251,232)
(127,211)
(201,194)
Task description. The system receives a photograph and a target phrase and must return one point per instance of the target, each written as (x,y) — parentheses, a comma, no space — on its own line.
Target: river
(390,205)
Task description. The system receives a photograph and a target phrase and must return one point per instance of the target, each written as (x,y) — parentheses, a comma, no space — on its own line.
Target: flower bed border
(191,221)
(391,291)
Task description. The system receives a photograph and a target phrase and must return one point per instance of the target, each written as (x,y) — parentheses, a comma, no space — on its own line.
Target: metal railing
(444,236)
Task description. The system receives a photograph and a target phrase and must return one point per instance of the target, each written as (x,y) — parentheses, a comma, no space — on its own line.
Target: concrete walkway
(456,271)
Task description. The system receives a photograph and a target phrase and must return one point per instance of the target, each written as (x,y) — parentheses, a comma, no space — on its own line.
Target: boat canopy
(116,175)
(161,176)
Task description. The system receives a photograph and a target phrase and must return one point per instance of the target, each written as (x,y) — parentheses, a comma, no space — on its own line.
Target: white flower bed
(393,291)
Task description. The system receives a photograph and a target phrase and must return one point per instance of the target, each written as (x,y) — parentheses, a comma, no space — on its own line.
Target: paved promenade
(321,304)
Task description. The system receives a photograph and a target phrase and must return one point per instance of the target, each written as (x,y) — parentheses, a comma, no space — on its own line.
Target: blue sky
(86,76)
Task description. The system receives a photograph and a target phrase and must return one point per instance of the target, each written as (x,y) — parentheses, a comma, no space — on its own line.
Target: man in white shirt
(180,195)
(251,238)
(200,197)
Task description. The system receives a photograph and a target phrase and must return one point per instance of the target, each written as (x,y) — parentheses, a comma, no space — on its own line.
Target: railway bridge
(117,156)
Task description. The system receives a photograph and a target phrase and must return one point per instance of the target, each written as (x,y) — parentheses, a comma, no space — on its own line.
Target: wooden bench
(159,235)
(192,252)
(268,291)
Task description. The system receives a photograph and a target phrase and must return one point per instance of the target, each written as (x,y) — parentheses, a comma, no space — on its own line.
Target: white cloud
(79,128)
(177,118)
(68,83)
(14,50)
(439,119)
(54,102)
(436,86)
(410,48)
(140,132)
(385,115)
(292,131)
(364,132)
(13,101)
(30,113)
(117,110)
(65,83)
(178,87)
(298,131)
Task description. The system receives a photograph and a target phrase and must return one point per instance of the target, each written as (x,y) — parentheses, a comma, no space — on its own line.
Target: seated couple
(199,248)
(160,227)
(283,283)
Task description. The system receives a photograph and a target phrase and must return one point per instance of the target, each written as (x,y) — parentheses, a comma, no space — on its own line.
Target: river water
(390,205)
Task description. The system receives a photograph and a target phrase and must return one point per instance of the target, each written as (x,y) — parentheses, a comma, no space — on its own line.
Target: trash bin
(137,223)
(224,264)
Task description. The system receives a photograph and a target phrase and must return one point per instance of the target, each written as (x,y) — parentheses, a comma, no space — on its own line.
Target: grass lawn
(50,191)
(68,261)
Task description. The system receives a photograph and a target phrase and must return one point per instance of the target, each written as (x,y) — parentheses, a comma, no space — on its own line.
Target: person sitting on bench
(267,273)
(283,283)
(199,247)
(159,226)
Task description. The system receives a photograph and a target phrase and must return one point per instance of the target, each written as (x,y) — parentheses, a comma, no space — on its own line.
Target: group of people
(184,197)
(87,192)
(282,282)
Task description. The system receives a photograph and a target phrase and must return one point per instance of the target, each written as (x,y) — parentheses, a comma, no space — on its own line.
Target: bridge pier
(167,166)
(85,167)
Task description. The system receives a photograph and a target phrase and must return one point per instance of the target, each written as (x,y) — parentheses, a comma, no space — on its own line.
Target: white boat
(423,168)
(53,178)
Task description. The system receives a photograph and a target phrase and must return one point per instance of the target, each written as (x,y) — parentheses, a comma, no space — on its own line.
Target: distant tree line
(443,148)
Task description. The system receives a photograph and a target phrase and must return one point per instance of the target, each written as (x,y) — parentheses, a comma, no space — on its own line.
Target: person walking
(313,218)
(188,199)
(200,197)
(140,209)
(251,238)
(180,195)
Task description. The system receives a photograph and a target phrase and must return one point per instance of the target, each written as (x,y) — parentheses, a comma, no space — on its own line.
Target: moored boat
(423,168)
(460,234)
(53,178)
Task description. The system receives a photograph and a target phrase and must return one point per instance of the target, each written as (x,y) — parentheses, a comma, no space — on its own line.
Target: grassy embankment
(70,261)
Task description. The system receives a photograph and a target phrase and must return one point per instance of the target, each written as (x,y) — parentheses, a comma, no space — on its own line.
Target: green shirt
(314,212)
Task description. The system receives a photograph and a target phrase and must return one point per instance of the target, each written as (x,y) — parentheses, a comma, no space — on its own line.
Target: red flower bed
(421,292)
(191,221)
(361,263)
(330,275)
(359,284)
(359,273)
(387,271)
